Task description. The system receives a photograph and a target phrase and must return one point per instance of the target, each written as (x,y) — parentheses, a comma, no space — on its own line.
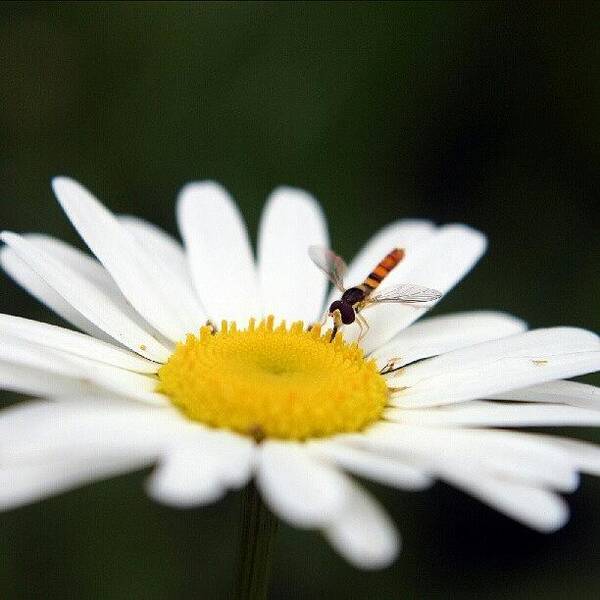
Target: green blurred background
(486,113)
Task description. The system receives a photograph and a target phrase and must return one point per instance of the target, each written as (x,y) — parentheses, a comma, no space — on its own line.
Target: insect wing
(405,293)
(330,263)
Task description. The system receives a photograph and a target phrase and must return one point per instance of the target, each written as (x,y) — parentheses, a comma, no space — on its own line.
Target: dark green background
(479,112)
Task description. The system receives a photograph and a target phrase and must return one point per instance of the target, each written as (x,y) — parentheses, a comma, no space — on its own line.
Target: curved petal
(89,269)
(219,252)
(148,286)
(585,456)
(186,478)
(35,382)
(29,280)
(382,469)
(158,243)
(438,335)
(25,484)
(88,299)
(298,488)
(169,253)
(134,386)
(73,342)
(534,460)
(36,431)
(363,533)
(537,508)
(192,474)
(292,288)
(478,413)
(497,366)
(20,352)
(50,447)
(79,261)
(15,351)
(572,393)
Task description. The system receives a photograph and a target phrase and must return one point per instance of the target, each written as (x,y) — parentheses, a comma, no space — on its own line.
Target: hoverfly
(347,309)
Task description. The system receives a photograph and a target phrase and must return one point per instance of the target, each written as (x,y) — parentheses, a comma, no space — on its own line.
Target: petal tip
(475,234)
(291,192)
(62,184)
(7,236)
(201,190)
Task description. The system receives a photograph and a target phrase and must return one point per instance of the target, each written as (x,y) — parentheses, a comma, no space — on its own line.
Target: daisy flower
(210,365)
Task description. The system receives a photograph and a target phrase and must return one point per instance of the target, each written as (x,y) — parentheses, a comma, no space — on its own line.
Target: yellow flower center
(277,382)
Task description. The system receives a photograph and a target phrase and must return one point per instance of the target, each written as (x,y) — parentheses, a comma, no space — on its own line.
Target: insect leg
(363,325)
(360,330)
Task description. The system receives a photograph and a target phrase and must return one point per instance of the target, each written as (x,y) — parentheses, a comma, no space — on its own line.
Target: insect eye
(346,311)
(334,306)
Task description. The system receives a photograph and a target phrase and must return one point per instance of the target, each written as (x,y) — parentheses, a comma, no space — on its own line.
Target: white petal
(48,447)
(238,456)
(159,244)
(131,385)
(438,335)
(378,468)
(20,352)
(584,455)
(439,262)
(535,345)
(572,393)
(87,267)
(146,283)
(186,478)
(15,351)
(537,508)
(298,488)
(73,342)
(477,413)
(219,252)
(25,484)
(39,431)
(79,261)
(488,380)
(363,534)
(28,279)
(193,474)
(533,460)
(169,253)
(455,250)
(292,288)
(27,380)
(497,366)
(406,233)
(88,299)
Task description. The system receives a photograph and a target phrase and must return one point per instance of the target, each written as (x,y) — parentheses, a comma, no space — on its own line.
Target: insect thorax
(353,295)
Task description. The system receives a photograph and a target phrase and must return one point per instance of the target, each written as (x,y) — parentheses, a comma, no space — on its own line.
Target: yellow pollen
(275,382)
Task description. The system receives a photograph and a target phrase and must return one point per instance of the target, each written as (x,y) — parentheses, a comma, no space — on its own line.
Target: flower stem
(259,527)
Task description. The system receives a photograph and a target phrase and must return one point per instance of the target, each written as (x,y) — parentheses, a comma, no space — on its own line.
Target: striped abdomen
(381,271)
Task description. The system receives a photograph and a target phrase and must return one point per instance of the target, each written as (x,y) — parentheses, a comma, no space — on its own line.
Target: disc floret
(274,381)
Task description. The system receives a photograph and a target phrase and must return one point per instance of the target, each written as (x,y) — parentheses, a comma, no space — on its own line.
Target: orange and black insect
(347,309)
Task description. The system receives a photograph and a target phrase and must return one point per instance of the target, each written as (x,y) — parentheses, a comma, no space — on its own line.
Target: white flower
(106,411)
